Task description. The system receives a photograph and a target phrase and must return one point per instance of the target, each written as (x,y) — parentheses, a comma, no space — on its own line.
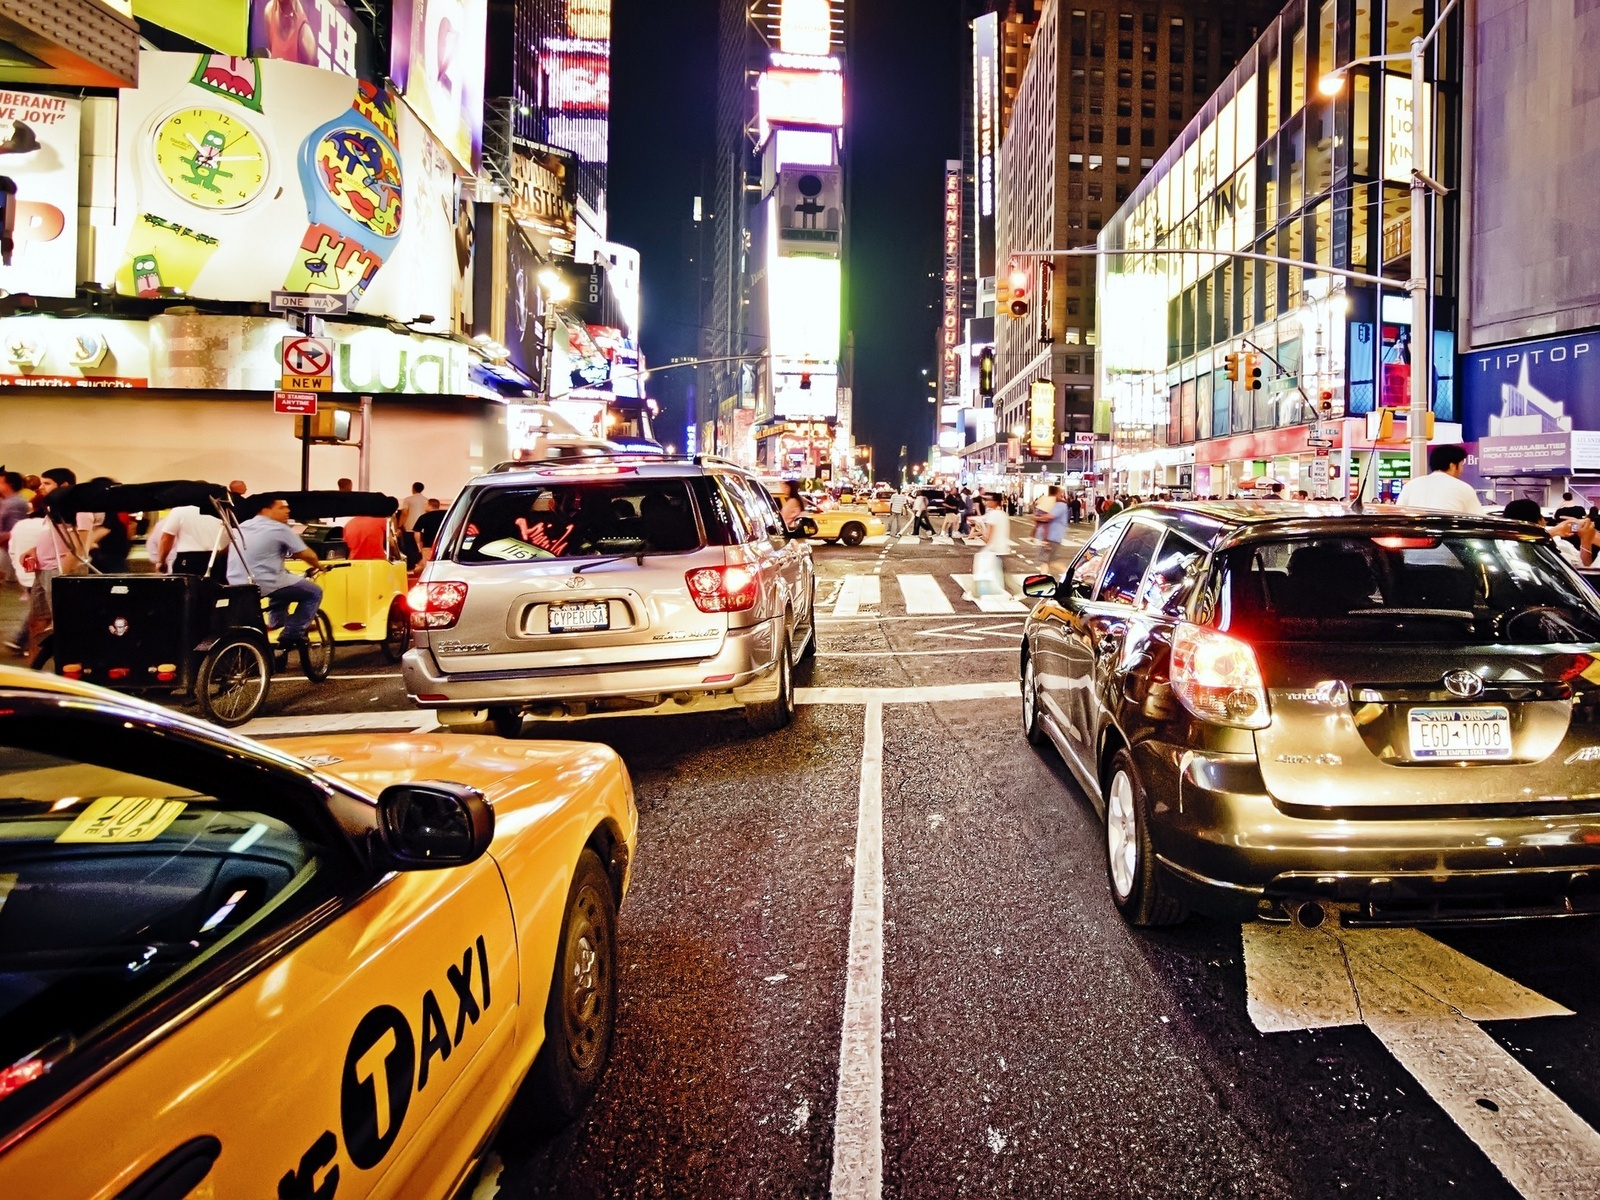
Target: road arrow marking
(1424,1001)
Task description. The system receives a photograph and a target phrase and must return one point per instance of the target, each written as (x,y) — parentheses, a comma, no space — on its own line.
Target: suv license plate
(1460,733)
(567,618)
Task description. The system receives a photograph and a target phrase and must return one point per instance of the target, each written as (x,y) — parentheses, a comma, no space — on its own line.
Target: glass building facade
(1272,166)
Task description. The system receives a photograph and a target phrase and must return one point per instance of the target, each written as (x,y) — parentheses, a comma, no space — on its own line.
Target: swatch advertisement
(436,59)
(39,153)
(237,177)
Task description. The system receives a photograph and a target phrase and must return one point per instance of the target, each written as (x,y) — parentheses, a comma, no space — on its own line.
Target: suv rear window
(1409,588)
(584,519)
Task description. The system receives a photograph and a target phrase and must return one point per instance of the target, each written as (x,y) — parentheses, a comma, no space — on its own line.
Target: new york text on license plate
(1461,733)
(565,618)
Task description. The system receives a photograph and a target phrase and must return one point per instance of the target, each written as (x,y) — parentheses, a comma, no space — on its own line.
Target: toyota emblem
(577,581)
(1464,685)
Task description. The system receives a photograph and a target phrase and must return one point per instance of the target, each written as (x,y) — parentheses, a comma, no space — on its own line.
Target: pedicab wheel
(231,685)
(316,654)
(397,636)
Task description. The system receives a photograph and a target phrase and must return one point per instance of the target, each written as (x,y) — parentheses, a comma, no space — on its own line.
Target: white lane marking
(409,720)
(857,592)
(988,604)
(1007,690)
(976,633)
(921,653)
(923,595)
(828,600)
(950,616)
(858,1111)
(1423,1001)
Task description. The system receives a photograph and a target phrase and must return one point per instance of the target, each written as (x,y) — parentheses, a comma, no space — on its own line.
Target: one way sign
(307,364)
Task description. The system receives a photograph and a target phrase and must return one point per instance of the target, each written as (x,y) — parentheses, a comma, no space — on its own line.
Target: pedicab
(192,637)
(363,597)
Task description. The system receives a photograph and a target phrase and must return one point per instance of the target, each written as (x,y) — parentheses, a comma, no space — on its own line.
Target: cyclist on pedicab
(268,542)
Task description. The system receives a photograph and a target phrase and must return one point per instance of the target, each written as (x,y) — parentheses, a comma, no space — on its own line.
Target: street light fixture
(1419,286)
(556,291)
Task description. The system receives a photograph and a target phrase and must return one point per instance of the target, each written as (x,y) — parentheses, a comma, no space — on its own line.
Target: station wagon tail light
(436,605)
(1218,679)
(728,588)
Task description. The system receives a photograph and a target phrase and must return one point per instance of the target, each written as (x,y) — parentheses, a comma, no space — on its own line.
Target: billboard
(236,177)
(801,98)
(39,152)
(524,329)
(950,284)
(221,24)
(436,59)
(1042,420)
(544,197)
(985,135)
(315,33)
(810,211)
(804,397)
(805,27)
(1551,386)
(804,308)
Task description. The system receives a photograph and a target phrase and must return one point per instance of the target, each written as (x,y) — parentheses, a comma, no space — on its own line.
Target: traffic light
(1021,289)
(1233,367)
(1252,372)
(1002,294)
(1325,405)
(986,373)
(805,381)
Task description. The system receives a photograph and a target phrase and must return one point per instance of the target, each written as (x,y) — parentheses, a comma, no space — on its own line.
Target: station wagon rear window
(587,519)
(1405,588)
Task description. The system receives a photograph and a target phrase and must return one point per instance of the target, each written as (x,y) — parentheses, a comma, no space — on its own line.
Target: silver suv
(626,585)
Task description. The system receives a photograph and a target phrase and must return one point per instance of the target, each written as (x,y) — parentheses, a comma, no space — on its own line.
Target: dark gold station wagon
(1302,712)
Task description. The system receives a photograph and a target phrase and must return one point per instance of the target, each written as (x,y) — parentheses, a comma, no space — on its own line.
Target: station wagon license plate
(570,618)
(1482,734)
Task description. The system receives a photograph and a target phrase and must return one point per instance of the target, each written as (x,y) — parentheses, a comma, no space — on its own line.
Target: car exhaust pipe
(1309,914)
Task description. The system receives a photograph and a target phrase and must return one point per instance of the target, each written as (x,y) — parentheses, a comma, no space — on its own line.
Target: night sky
(905,92)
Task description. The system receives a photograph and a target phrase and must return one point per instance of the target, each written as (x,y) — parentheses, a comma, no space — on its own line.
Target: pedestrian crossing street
(915,595)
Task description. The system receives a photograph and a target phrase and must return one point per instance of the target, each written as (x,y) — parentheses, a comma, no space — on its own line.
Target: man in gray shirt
(268,543)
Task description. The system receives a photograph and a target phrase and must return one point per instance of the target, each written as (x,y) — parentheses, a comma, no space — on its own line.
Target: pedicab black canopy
(107,495)
(325,506)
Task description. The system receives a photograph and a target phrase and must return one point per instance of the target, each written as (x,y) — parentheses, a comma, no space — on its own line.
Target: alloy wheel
(587,993)
(1122,834)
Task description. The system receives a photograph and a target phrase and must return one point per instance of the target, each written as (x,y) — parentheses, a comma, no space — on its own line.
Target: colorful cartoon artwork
(146,276)
(238,79)
(331,263)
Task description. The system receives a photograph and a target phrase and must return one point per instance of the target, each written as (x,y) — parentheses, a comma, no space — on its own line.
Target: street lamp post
(555,291)
(1420,285)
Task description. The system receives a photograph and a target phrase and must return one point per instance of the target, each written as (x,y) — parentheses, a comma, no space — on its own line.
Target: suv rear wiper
(600,562)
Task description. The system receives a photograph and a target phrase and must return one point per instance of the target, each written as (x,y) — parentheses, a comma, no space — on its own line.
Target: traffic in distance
(1316,718)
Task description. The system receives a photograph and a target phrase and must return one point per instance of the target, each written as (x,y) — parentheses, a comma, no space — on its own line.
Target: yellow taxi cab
(239,970)
(852,526)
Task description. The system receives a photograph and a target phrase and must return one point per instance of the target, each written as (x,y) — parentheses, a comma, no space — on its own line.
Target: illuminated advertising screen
(40,153)
(564,76)
(544,197)
(801,98)
(810,211)
(221,24)
(803,301)
(315,33)
(436,60)
(805,397)
(805,27)
(950,323)
(986,133)
(1042,419)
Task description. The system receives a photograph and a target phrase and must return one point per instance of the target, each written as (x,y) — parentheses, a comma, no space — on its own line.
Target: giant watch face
(361,174)
(210,158)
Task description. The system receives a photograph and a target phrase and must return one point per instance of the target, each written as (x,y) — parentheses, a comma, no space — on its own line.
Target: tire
(231,684)
(580,1013)
(806,527)
(1131,868)
(505,721)
(769,716)
(809,650)
(853,534)
(316,656)
(1032,727)
(397,633)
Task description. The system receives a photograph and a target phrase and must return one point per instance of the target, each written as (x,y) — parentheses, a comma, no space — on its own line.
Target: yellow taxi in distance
(852,526)
(238,970)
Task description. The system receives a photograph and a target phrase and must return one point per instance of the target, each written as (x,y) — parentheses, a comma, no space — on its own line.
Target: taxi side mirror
(1039,586)
(431,825)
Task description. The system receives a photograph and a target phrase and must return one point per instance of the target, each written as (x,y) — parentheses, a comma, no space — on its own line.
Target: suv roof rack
(567,462)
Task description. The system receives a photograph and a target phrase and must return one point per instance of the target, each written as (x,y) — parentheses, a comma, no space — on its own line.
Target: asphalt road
(1031,1044)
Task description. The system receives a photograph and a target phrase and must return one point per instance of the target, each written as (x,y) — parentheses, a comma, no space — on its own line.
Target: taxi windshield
(119,870)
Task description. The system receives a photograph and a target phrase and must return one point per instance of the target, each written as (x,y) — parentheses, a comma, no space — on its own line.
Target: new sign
(307,364)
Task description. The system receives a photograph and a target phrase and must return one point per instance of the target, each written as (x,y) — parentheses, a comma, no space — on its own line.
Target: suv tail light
(1218,679)
(436,605)
(728,588)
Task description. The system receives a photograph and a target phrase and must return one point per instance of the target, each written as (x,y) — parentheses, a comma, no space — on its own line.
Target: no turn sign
(307,364)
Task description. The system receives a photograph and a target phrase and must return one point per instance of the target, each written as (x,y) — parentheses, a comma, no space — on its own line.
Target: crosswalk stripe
(923,595)
(988,604)
(858,591)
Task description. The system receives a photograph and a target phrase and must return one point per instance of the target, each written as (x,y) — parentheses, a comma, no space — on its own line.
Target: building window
(1072,335)
(1077,105)
(1097,191)
(1124,136)
(1202,86)
(1125,49)
(1175,110)
(1095,162)
(1122,192)
(1097,104)
(1175,81)
(1146,163)
(1097,134)
(1075,162)
(1147,80)
(1074,191)
(1097,35)
(1124,77)
(1076,133)
(1147,109)
(1074,222)
(1124,106)
(1124,22)
(1095,221)
(1073,305)
(1147,136)
(1097,78)
(1070,364)
(1074,277)
(1149,22)
(1150,50)
(1122,166)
